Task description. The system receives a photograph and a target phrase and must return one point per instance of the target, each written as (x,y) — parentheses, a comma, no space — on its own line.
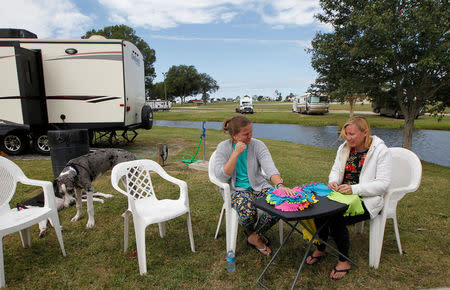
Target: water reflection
(430,145)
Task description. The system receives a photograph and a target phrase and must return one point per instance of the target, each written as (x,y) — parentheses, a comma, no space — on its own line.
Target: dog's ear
(56,189)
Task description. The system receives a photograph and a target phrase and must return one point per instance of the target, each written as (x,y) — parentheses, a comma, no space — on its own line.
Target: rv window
(315,99)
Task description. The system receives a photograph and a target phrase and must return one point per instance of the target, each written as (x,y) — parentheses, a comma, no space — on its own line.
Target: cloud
(301,43)
(46,18)
(289,12)
(163,14)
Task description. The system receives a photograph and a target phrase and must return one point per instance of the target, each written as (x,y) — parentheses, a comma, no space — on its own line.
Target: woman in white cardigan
(362,167)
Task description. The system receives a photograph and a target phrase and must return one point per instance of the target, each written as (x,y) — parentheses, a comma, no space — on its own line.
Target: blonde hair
(234,125)
(362,125)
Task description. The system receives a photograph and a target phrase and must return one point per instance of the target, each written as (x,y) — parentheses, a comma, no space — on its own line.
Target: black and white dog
(79,174)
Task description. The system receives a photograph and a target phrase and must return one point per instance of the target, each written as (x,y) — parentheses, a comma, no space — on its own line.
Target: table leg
(276,253)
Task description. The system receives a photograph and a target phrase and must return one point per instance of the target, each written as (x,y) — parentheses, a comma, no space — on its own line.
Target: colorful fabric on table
(284,202)
(316,188)
(353,201)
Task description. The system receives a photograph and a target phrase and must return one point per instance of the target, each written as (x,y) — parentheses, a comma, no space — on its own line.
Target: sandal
(262,250)
(314,259)
(336,271)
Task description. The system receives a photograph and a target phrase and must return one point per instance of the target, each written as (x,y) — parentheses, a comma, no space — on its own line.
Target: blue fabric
(241,171)
(318,189)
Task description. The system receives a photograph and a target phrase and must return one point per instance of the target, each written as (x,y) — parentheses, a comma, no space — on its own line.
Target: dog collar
(74,168)
(73,165)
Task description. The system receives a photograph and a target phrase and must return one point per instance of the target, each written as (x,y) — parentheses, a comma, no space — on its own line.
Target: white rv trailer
(47,84)
(245,106)
(308,104)
(159,105)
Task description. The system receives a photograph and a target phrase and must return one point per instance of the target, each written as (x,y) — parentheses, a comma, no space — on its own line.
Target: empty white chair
(231,215)
(406,177)
(143,204)
(12,220)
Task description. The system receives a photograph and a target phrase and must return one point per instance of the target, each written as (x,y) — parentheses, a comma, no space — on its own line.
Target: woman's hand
(288,191)
(333,186)
(345,188)
(240,147)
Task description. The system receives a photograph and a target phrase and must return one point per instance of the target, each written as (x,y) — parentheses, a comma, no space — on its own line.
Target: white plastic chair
(12,220)
(143,204)
(406,177)
(231,215)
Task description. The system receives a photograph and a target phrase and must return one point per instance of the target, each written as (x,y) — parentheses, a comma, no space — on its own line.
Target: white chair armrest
(47,186)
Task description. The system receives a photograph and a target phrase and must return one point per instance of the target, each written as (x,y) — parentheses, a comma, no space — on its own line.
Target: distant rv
(159,105)
(308,104)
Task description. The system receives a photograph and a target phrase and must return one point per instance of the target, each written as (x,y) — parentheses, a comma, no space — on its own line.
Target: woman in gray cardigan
(245,162)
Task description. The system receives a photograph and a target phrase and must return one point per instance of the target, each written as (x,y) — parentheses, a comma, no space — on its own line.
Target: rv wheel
(14,143)
(147,117)
(41,145)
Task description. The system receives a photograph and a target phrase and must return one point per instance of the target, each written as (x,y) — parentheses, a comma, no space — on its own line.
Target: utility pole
(165,90)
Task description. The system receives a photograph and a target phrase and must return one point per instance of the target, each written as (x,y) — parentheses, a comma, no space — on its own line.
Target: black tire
(41,144)
(147,117)
(14,143)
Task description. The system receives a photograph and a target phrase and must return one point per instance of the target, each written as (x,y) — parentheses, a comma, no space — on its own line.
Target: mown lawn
(95,258)
(281,113)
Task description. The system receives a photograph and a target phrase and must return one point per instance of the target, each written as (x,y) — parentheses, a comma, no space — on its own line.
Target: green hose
(191,158)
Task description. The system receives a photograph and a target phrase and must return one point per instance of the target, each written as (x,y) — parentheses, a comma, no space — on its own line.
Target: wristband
(279,184)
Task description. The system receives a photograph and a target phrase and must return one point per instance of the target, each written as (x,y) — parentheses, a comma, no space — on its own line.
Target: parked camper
(159,105)
(308,104)
(245,106)
(95,84)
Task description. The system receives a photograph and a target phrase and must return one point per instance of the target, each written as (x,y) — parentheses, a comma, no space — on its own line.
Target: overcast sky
(251,47)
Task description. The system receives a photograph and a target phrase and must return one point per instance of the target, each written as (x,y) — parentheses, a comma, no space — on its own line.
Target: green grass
(95,258)
(280,113)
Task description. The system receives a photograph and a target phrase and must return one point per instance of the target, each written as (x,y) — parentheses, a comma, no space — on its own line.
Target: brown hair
(362,125)
(234,125)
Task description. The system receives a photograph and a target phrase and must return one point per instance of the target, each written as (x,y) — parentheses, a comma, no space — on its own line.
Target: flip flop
(317,259)
(262,250)
(343,270)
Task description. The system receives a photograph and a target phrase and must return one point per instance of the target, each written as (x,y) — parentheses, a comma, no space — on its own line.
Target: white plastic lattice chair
(12,220)
(143,204)
(406,177)
(231,216)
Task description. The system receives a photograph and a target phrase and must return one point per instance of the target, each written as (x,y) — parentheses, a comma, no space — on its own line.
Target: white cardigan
(375,175)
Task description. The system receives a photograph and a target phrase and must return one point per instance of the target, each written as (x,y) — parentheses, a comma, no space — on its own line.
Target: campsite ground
(95,258)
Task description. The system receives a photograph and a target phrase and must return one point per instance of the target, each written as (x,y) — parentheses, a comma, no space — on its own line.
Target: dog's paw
(75,218)
(90,224)
(42,232)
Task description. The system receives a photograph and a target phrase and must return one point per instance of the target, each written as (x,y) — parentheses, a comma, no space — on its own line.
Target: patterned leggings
(243,203)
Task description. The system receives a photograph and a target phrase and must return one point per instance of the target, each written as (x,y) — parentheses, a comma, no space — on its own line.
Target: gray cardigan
(259,160)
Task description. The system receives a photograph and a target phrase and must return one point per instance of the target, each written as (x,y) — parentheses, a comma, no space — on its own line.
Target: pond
(430,145)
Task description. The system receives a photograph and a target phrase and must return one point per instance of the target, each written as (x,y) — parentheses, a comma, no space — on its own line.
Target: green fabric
(353,201)
(241,171)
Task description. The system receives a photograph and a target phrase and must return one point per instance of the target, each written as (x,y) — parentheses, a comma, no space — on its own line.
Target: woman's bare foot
(340,270)
(315,257)
(255,241)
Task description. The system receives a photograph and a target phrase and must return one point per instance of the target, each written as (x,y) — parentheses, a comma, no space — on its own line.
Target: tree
(182,81)
(128,33)
(207,85)
(157,92)
(385,47)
